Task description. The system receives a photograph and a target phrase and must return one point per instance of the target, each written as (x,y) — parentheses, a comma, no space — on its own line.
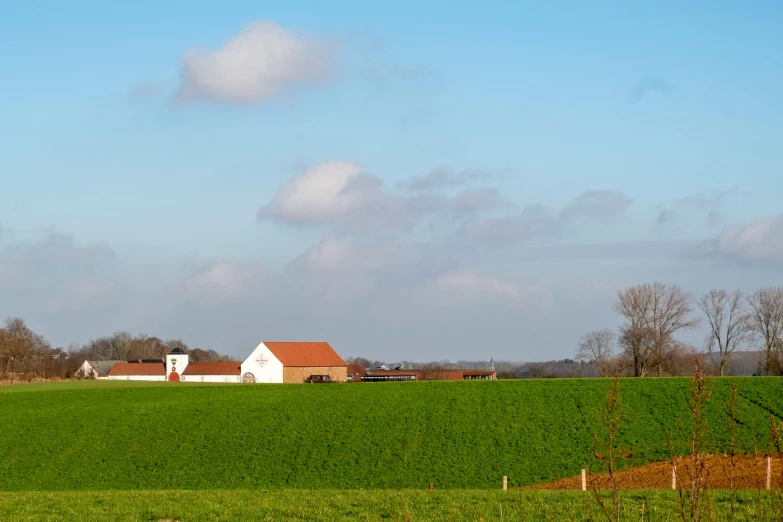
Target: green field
(376,505)
(464,435)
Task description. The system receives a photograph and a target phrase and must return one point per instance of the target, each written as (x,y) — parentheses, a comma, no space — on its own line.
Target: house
(212,372)
(95,369)
(289,362)
(127,371)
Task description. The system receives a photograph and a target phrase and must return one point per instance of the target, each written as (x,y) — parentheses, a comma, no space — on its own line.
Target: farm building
(293,362)
(378,375)
(95,369)
(129,371)
(272,362)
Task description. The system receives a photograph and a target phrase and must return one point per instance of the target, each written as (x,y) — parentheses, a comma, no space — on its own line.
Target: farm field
(377,505)
(458,435)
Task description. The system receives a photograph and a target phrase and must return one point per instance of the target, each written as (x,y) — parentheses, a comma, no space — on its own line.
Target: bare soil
(749,472)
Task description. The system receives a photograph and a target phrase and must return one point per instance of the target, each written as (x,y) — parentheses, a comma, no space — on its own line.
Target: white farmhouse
(95,369)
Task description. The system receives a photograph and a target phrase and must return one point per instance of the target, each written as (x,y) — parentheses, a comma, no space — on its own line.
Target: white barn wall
(271,372)
(211,378)
(136,378)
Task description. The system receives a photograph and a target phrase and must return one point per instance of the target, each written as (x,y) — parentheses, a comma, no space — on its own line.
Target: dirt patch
(749,473)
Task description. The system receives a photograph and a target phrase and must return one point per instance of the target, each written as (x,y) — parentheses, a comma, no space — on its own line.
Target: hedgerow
(370,435)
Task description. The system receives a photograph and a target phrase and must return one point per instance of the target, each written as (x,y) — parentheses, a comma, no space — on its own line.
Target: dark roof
(305,354)
(103,367)
(213,368)
(138,369)
(176,350)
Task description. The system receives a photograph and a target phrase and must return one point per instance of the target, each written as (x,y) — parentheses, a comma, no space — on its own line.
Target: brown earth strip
(749,473)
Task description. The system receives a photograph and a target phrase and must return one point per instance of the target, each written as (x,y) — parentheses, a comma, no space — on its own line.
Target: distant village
(271,362)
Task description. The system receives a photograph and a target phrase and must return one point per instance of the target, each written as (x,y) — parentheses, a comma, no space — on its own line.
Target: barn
(290,362)
(127,371)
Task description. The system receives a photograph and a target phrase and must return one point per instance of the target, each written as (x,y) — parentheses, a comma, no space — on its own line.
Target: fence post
(674,477)
(769,472)
(505,483)
(584,480)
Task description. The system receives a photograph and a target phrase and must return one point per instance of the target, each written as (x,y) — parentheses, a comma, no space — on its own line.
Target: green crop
(349,436)
(330,505)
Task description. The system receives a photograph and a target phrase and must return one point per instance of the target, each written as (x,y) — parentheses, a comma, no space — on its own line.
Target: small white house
(95,369)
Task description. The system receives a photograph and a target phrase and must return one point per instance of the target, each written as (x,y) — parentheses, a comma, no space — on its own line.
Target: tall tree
(598,348)
(728,324)
(654,313)
(766,324)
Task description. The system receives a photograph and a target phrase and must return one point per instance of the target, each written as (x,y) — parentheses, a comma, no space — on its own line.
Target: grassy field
(377,505)
(100,436)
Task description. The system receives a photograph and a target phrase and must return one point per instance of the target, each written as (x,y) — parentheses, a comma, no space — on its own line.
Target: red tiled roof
(356,369)
(213,368)
(124,368)
(305,354)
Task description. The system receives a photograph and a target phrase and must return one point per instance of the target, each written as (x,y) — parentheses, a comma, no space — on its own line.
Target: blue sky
(571,151)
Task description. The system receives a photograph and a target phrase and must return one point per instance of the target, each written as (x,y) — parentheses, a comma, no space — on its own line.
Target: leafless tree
(654,313)
(728,325)
(766,324)
(598,348)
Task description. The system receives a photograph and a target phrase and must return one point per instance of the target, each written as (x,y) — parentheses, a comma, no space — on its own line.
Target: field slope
(372,435)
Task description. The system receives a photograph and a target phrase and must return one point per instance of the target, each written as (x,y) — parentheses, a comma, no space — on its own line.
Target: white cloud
(341,194)
(255,65)
(325,192)
(760,241)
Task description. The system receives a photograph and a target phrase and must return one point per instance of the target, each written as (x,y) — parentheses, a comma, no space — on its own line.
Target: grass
(178,436)
(326,505)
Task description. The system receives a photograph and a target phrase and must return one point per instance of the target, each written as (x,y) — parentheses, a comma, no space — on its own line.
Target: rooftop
(124,368)
(213,368)
(305,354)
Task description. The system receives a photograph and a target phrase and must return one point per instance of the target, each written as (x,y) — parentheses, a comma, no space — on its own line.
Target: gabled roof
(356,369)
(305,354)
(103,367)
(124,368)
(214,368)
(177,350)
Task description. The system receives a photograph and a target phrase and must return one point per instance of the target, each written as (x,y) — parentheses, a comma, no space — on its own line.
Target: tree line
(27,355)
(655,314)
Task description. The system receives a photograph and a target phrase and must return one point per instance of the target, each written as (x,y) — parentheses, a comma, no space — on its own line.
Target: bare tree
(766,324)
(597,347)
(654,313)
(728,324)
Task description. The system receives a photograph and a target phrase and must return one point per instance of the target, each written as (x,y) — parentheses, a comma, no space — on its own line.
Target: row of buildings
(270,362)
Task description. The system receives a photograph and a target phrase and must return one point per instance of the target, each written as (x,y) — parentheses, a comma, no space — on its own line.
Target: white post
(674,477)
(505,483)
(584,480)
(769,472)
